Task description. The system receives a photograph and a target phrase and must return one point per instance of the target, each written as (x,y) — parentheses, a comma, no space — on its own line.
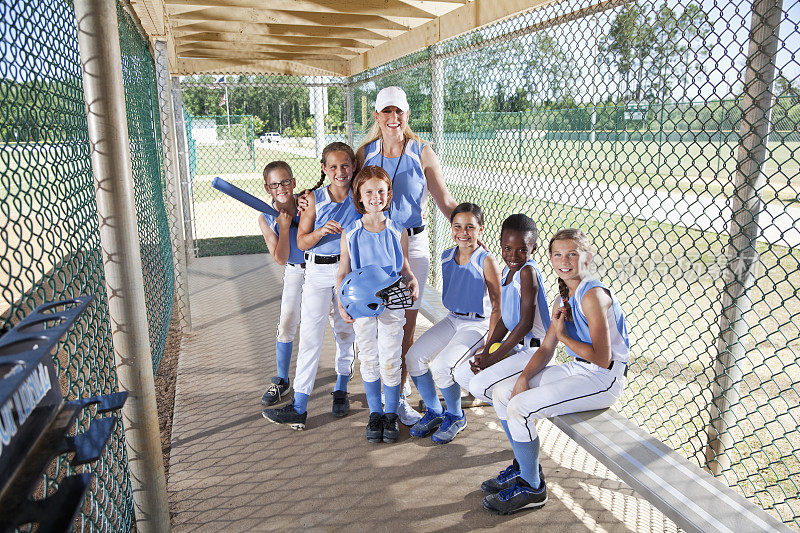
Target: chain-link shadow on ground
(232,470)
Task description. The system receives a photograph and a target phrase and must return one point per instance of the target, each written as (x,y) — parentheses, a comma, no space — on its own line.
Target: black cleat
(278,390)
(391,427)
(286,415)
(516,497)
(375,427)
(341,404)
(505,479)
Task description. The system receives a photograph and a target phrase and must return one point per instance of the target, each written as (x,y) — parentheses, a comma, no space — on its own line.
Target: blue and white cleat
(451,426)
(429,422)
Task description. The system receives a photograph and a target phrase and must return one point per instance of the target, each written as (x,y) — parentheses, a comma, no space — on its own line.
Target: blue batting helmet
(367,291)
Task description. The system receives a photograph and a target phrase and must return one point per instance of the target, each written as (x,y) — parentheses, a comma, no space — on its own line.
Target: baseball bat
(243,196)
(251,201)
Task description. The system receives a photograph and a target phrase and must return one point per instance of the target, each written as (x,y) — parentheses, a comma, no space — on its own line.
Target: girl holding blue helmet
(377,242)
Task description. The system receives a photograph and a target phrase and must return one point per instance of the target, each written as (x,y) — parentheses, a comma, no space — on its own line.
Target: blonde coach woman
(415,171)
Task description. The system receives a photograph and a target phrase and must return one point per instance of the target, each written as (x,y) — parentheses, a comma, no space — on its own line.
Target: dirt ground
(165,380)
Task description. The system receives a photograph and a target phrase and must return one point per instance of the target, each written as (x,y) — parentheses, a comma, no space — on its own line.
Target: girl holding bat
(280,233)
(329,209)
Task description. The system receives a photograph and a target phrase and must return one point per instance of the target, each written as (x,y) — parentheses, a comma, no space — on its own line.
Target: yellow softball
(493,348)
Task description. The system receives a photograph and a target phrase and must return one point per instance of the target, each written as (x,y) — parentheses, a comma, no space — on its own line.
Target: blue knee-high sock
(392,395)
(452,398)
(341,382)
(504,423)
(373,390)
(427,389)
(300,402)
(283,354)
(527,454)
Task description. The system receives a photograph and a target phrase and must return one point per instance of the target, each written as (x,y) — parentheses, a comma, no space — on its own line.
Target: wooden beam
(238,38)
(235,54)
(340,52)
(301,18)
(387,8)
(151,14)
(474,15)
(188,66)
(244,28)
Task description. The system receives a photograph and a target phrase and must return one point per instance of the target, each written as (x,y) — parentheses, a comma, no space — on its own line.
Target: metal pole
(98,39)
(350,121)
(744,230)
(173,188)
(441,225)
(183,165)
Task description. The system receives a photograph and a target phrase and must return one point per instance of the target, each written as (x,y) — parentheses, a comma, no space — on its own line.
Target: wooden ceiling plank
(474,15)
(284,30)
(247,66)
(234,54)
(247,48)
(392,8)
(205,37)
(269,16)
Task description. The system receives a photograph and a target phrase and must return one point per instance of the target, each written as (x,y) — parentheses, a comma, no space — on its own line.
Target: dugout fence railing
(667,131)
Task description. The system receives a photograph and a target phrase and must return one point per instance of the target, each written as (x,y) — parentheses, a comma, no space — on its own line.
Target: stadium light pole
(742,256)
(101,66)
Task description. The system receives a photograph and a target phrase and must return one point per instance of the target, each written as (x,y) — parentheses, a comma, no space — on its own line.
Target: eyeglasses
(285,183)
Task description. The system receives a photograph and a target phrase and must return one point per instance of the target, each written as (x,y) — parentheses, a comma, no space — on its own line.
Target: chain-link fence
(50,246)
(270,118)
(642,123)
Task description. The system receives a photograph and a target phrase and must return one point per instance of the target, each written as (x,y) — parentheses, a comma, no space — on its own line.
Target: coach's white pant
(444,346)
(419,258)
(482,384)
(319,297)
(293,278)
(558,389)
(380,345)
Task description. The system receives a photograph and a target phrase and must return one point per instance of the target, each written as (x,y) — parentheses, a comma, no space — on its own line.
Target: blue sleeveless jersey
(409,187)
(381,249)
(511,300)
(463,286)
(344,213)
(295,253)
(578,327)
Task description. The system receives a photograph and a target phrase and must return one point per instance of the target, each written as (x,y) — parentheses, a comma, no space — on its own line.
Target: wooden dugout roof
(309,37)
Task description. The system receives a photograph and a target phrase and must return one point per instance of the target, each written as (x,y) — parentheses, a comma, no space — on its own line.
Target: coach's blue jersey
(382,249)
(511,301)
(463,286)
(295,253)
(578,327)
(409,187)
(343,212)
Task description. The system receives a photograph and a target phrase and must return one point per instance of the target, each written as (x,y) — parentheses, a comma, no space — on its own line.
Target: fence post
(744,229)
(173,188)
(181,136)
(101,66)
(350,120)
(440,227)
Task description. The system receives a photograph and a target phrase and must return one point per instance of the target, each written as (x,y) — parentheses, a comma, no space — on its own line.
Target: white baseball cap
(391,96)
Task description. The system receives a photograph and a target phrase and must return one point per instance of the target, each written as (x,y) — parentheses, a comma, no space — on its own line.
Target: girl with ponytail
(588,320)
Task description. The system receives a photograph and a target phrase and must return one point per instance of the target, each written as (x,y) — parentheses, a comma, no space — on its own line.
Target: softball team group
(499,338)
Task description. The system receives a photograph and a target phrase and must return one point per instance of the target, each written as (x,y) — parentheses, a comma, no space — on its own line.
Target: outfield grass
(701,167)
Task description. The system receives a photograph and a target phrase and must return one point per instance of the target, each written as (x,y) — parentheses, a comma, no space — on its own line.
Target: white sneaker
(407,415)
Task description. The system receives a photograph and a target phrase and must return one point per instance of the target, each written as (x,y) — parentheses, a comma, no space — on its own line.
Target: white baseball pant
(380,345)
(558,389)
(482,384)
(444,346)
(319,297)
(293,278)
(419,258)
